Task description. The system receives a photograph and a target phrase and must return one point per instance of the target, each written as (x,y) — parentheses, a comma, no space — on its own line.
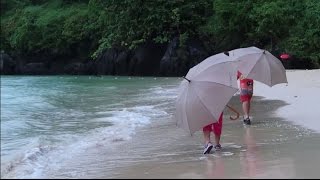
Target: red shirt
(245,83)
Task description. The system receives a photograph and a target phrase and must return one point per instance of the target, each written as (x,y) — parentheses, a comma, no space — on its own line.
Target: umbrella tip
(186,78)
(226,53)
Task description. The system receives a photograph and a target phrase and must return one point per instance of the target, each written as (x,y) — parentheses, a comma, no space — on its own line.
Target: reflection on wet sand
(250,160)
(215,168)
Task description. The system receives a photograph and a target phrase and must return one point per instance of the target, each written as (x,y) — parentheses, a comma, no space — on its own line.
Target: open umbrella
(260,65)
(205,91)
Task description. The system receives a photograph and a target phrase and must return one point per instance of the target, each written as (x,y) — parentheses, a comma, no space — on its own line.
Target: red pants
(216,127)
(244,98)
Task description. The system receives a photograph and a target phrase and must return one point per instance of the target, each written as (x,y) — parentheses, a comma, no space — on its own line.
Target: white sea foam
(39,159)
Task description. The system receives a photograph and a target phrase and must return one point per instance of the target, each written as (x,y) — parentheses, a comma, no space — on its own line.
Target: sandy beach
(140,138)
(282,142)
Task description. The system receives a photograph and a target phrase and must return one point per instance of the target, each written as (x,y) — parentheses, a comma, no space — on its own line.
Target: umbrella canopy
(260,65)
(205,91)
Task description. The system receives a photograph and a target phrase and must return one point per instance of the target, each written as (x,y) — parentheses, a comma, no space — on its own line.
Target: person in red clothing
(246,92)
(216,128)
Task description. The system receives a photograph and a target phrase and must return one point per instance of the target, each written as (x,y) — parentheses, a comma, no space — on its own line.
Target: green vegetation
(85,28)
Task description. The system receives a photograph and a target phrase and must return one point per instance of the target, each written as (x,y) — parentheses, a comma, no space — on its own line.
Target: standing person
(246,92)
(216,128)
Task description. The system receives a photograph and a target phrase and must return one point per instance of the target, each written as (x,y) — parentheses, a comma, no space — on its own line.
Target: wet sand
(282,142)
(272,147)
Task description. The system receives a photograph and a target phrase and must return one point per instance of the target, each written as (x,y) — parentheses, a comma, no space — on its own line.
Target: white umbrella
(260,65)
(205,91)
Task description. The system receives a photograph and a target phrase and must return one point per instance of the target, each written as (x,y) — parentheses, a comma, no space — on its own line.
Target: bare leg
(249,108)
(208,145)
(246,109)
(246,112)
(206,135)
(217,139)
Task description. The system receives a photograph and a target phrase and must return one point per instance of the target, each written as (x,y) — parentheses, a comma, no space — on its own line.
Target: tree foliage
(87,27)
(133,22)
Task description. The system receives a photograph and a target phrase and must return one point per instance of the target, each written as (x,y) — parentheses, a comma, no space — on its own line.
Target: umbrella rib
(201,99)
(214,65)
(186,112)
(219,83)
(255,64)
(269,67)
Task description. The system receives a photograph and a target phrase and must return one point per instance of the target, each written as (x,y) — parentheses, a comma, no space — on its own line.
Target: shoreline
(275,146)
(301,94)
(272,147)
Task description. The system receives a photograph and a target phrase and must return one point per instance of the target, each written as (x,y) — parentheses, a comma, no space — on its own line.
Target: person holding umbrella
(246,92)
(203,95)
(216,128)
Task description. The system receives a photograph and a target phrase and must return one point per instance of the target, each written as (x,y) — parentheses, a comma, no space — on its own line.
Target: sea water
(49,120)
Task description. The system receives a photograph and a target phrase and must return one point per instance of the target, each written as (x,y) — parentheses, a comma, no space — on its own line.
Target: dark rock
(168,63)
(121,63)
(34,69)
(7,65)
(75,68)
(106,63)
(179,59)
(146,60)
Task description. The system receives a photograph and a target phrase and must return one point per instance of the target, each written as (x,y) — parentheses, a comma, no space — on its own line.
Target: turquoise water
(122,127)
(47,119)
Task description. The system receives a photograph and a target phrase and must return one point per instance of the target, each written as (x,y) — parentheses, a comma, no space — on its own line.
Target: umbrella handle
(232,109)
